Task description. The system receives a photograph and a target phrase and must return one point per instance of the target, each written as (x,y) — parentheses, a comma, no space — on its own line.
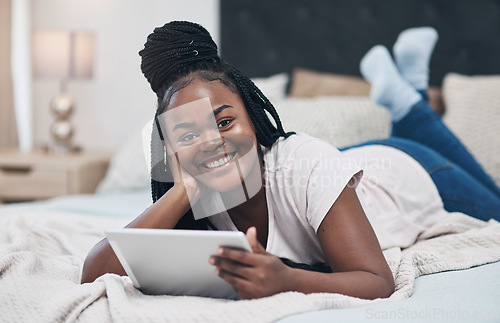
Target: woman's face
(209,129)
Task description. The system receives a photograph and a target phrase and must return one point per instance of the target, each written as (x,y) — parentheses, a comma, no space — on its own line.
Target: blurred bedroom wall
(114,104)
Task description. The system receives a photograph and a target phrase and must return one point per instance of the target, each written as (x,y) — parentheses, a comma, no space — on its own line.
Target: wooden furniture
(39,175)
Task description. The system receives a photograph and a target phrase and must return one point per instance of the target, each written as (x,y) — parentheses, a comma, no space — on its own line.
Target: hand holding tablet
(174,262)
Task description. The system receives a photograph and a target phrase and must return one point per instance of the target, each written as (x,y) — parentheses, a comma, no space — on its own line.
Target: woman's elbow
(95,262)
(386,287)
(88,271)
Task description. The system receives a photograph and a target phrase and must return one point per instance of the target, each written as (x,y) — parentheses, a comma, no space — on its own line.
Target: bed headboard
(264,37)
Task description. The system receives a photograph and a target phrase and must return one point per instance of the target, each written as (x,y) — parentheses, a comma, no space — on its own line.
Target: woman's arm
(164,214)
(352,251)
(350,247)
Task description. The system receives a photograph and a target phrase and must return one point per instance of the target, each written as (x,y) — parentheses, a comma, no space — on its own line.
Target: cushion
(127,169)
(340,120)
(473,114)
(307,84)
(274,87)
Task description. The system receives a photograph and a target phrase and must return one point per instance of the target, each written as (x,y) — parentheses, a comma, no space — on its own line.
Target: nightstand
(39,175)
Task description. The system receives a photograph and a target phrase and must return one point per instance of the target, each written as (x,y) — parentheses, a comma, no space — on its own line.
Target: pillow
(274,87)
(473,114)
(308,84)
(340,120)
(127,168)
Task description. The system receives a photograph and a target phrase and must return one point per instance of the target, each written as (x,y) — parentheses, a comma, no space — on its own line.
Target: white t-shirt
(304,177)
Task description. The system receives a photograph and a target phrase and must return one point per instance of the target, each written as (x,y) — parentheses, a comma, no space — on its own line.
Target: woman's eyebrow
(183,125)
(220,109)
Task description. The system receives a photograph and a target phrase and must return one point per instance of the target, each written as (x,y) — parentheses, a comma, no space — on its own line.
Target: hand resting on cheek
(182,179)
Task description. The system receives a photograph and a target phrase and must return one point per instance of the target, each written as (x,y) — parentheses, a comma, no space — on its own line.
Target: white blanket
(41,256)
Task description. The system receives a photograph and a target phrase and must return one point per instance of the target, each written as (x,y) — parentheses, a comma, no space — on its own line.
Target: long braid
(159,168)
(259,103)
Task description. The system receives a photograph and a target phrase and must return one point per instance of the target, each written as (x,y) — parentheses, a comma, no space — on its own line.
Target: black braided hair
(172,48)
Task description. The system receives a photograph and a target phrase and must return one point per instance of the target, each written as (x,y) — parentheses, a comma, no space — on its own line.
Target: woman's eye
(224,123)
(188,137)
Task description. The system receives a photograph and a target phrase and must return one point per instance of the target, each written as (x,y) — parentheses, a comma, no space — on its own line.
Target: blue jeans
(462,183)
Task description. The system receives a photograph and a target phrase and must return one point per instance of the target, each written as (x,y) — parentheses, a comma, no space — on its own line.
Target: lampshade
(61,55)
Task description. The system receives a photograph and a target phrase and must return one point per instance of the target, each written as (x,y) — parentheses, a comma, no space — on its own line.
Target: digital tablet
(174,262)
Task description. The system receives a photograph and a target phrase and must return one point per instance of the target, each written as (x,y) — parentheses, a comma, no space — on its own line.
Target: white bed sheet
(56,235)
(126,204)
(470,295)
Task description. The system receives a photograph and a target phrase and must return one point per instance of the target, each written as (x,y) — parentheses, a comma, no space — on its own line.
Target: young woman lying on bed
(317,218)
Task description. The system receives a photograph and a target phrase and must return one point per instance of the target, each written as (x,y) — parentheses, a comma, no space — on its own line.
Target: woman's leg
(459,191)
(412,117)
(423,125)
(412,53)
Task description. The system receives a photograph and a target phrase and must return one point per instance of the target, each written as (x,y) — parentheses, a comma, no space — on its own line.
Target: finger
(233,267)
(241,256)
(179,167)
(254,243)
(173,162)
(240,285)
(175,167)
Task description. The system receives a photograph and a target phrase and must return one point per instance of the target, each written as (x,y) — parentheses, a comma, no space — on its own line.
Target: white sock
(412,53)
(388,87)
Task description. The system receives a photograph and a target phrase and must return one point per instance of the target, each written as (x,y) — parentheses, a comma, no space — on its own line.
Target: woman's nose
(212,141)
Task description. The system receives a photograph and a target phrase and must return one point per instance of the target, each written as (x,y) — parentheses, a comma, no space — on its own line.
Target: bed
(451,273)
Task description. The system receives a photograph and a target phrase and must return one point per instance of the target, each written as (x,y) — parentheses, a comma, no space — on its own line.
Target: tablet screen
(174,262)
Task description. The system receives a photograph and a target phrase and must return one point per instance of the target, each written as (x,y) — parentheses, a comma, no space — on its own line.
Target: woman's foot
(412,53)
(388,87)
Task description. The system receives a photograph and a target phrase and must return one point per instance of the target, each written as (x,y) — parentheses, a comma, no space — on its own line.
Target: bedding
(43,245)
(340,120)
(274,87)
(473,114)
(306,83)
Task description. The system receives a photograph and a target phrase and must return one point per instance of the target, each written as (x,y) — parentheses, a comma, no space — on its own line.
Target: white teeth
(219,162)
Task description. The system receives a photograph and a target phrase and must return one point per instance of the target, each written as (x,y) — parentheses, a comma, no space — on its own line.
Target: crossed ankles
(396,85)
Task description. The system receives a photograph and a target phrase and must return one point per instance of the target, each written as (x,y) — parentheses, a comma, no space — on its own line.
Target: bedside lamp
(62,56)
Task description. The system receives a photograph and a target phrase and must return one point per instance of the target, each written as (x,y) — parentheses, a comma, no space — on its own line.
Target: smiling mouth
(219,161)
